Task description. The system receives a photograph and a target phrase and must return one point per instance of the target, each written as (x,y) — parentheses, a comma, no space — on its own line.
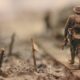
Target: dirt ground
(52,62)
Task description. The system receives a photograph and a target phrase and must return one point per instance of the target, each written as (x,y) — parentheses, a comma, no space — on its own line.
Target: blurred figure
(47,21)
(73,23)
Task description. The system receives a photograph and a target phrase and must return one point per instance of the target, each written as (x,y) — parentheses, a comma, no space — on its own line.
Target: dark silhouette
(11,44)
(47,21)
(72,28)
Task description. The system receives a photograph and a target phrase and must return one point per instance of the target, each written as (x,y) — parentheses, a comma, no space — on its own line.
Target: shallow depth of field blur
(27,19)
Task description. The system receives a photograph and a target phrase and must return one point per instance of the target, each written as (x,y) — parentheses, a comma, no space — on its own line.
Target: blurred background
(28,18)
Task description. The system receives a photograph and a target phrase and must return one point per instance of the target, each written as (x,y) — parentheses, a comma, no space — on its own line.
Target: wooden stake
(11,44)
(33,53)
(1,57)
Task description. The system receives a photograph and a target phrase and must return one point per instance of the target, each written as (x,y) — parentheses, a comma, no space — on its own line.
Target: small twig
(1,57)
(11,44)
(33,54)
